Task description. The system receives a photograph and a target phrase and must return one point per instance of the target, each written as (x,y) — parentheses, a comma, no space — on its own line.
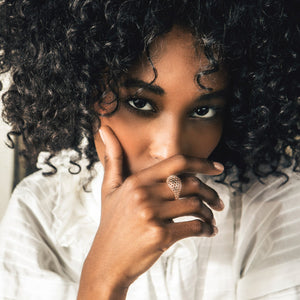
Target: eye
(140,104)
(204,112)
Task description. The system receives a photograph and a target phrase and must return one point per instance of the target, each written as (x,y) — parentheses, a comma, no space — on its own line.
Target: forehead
(177,57)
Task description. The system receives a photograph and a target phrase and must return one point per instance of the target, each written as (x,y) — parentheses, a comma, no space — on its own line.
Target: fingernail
(218,166)
(102,136)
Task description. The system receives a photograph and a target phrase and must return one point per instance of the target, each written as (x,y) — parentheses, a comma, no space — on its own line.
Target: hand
(136,217)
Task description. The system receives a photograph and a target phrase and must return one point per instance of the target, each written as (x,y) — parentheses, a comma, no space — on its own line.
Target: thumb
(113,160)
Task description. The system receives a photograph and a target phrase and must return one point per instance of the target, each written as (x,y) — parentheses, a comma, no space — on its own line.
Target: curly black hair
(62,55)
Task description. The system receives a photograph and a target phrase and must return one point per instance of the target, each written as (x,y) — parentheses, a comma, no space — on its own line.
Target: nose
(166,140)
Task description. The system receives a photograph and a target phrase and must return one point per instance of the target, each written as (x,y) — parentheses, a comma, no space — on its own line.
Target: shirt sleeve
(268,244)
(31,265)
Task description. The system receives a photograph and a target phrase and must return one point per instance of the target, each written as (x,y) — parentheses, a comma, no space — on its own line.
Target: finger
(181,230)
(191,186)
(179,164)
(113,159)
(192,206)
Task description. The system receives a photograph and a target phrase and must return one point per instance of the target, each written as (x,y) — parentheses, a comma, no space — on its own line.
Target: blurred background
(12,166)
(6,155)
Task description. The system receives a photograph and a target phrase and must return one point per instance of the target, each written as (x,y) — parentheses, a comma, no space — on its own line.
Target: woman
(179,90)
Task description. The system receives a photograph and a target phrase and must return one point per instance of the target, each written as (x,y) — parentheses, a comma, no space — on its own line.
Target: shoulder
(42,191)
(274,186)
(272,201)
(55,204)
(32,200)
(268,239)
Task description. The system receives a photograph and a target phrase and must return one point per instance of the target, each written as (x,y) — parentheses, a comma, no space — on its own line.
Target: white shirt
(51,221)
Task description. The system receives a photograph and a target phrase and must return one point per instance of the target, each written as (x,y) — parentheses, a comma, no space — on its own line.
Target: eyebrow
(137,83)
(213,95)
(133,82)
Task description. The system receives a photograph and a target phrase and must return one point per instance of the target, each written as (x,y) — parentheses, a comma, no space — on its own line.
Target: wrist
(93,285)
(102,292)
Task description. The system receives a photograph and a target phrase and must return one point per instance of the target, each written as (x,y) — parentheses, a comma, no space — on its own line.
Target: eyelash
(144,113)
(149,113)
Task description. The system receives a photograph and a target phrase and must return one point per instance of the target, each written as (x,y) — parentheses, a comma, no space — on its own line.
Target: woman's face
(173,115)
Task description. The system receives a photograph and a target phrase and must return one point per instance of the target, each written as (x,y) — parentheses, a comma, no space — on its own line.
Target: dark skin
(170,128)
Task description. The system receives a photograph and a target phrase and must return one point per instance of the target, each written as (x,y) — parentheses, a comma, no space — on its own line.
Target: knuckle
(207,165)
(213,197)
(194,182)
(197,227)
(210,214)
(195,204)
(181,161)
(139,195)
(130,183)
(202,229)
(157,234)
(146,214)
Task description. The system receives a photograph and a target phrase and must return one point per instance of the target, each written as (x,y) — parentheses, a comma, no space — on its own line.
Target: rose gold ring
(175,185)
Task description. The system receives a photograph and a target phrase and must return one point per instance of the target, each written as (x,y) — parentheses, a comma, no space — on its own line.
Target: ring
(175,185)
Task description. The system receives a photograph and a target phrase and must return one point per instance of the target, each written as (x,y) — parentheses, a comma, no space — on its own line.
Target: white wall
(6,157)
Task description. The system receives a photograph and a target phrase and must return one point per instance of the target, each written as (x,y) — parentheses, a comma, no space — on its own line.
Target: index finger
(179,164)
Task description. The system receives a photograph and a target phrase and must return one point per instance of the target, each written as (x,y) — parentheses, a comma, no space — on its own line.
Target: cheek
(130,134)
(203,142)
